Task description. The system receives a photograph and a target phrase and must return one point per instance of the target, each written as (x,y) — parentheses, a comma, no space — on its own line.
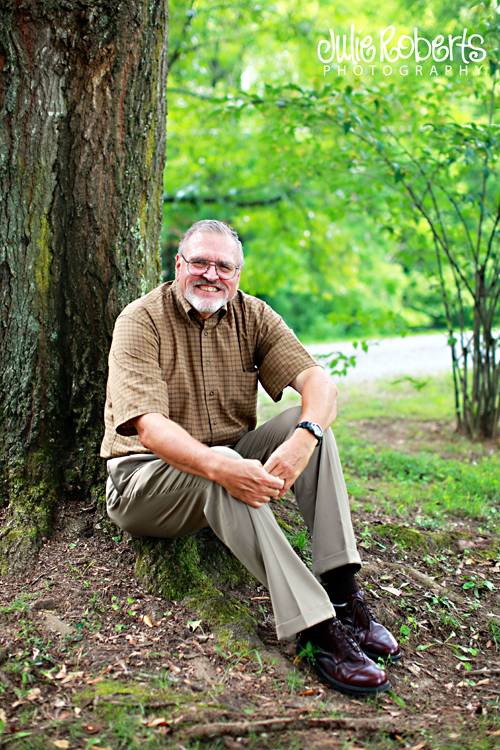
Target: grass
(424,399)
(398,397)
(428,484)
(412,497)
(436,473)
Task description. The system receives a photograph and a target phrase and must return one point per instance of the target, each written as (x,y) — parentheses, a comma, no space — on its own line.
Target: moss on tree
(28,518)
(202,572)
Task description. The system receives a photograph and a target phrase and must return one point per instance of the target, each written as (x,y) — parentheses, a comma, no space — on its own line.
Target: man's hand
(248,481)
(290,459)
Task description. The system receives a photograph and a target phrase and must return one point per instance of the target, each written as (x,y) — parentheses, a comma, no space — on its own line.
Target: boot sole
(349,689)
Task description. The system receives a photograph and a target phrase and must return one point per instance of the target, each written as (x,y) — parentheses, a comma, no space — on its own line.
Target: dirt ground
(89,658)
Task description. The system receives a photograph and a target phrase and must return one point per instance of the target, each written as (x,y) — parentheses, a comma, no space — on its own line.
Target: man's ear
(178,261)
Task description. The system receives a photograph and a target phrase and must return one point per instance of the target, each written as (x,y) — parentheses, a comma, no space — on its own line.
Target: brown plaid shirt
(200,373)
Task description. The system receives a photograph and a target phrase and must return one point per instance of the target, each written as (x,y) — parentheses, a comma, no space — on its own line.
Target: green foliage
(425,481)
(261,138)
(367,204)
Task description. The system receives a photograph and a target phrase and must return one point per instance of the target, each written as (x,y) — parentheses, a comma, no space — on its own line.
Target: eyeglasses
(199,266)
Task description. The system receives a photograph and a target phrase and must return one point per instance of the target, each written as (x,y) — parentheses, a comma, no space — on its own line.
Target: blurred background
(313,170)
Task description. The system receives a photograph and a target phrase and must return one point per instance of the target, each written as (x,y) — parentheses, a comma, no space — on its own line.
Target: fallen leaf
(193,624)
(158,721)
(148,621)
(420,746)
(392,590)
(71,676)
(33,694)
(61,673)
(61,744)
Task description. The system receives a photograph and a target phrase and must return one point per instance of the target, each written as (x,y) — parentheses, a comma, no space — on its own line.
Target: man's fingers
(271,464)
(273,482)
(278,467)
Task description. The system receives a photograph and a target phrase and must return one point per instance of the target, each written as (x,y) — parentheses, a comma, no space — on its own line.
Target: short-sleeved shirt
(202,374)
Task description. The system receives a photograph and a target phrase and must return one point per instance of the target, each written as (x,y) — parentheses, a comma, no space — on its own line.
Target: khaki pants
(147,497)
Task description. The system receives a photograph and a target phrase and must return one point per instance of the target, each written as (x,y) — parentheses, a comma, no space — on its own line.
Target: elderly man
(183,452)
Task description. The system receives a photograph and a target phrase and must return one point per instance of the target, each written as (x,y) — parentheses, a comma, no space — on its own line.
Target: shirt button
(211,393)
(205,333)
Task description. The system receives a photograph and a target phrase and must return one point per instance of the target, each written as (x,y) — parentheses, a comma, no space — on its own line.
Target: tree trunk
(82,143)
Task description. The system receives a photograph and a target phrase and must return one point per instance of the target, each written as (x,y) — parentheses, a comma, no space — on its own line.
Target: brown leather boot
(375,640)
(338,660)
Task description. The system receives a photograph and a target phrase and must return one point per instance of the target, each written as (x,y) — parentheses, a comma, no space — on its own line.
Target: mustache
(202,282)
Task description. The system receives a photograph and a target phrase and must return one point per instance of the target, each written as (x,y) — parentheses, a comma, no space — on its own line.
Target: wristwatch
(313,428)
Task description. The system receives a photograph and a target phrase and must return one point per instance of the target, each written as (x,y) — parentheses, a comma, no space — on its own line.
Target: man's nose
(211,273)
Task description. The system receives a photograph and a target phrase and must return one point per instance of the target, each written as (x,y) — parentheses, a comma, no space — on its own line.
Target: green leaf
(397,699)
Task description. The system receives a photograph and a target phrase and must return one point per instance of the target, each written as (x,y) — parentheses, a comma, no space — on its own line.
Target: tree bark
(82,144)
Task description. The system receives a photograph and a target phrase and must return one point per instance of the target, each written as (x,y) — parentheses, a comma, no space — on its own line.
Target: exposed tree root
(239,728)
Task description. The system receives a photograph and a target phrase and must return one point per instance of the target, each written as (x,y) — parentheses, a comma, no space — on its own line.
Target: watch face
(313,428)
(317,430)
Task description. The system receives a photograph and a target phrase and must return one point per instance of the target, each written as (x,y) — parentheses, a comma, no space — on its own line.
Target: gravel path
(427,354)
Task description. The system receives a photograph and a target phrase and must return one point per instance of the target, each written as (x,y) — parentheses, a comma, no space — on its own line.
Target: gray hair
(216,227)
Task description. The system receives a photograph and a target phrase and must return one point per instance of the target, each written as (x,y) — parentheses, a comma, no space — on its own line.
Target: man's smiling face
(207,293)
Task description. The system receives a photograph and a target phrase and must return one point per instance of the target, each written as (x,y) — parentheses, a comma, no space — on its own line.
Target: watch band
(313,428)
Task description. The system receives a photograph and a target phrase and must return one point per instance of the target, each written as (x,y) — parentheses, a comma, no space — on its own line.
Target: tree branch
(196,95)
(178,48)
(492,236)
(485,169)
(243,202)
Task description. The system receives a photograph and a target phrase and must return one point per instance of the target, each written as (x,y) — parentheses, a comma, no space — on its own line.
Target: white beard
(203,305)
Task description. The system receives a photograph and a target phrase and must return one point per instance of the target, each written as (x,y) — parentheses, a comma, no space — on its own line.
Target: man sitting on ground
(183,453)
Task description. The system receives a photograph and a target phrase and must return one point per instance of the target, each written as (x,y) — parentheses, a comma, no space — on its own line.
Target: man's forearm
(175,446)
(244,479)
(319,404)
(319,399)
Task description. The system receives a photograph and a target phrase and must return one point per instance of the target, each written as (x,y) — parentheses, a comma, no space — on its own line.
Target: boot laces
(342,634)
(365,609)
